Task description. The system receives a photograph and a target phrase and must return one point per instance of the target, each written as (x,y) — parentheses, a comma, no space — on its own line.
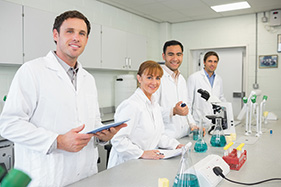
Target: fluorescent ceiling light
(231,6)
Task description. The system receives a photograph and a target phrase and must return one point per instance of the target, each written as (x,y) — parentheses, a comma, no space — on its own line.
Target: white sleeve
(19,107)
(168,142)
(222,98)
(190,96)
(121,141)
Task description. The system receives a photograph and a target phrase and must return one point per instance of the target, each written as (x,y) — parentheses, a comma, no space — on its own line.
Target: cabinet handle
(126,62)
(130,62)
(125,66)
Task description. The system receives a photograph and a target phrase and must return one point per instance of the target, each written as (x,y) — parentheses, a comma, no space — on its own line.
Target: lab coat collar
(53,64)
(170,73)
(205,78)
(144,98)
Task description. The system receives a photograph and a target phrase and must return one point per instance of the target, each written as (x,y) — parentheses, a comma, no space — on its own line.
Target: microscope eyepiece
(204,94)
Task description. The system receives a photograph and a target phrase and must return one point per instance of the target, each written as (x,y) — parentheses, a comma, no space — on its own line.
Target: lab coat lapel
(207,82)
(53,65)
(80,77)
(170,78)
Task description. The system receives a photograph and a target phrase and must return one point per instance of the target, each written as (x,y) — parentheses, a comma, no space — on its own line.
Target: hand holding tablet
(104,127)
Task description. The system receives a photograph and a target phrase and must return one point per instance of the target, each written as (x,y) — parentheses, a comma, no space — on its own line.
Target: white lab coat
(168,95)
(41,104)
(199,80)
(145,130)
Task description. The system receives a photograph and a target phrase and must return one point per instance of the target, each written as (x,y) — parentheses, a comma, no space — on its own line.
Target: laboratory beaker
(186,176)
(195,134)
(200,145)
(218,138)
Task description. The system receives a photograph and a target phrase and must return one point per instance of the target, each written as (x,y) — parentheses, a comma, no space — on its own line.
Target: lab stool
(107,147)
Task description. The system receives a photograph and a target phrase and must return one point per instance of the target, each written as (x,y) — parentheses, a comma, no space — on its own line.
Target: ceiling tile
(175,11)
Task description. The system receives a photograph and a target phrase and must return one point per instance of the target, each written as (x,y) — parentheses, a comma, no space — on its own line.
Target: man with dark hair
(172,92)
(51,105)
(208,80)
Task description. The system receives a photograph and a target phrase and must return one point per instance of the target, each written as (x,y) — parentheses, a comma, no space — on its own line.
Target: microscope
(221,110)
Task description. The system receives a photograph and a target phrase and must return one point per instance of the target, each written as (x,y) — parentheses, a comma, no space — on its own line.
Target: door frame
(245,63)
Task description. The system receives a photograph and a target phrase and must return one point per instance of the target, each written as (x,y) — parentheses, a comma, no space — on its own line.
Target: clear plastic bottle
(200,145)
(186,176)
(218,138)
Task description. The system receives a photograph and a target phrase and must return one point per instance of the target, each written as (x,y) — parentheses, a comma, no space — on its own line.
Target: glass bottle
(218,138)
(200,145)
(186,176)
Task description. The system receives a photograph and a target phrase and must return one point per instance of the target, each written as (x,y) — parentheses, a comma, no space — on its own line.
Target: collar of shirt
(66,67)
(174,75)
(70,71)
(211,79)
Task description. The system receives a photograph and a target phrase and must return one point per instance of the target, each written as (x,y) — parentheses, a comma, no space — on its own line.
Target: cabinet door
(11,33)
(91,57)
(136,50)
(113,48)
(38,33)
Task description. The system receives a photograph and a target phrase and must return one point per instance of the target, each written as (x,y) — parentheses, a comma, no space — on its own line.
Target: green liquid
(195,134)
(200,147)
(186,180)
(218,142)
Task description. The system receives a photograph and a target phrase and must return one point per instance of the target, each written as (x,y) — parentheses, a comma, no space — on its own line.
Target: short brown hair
(211,53)
(70,14)
(150,67)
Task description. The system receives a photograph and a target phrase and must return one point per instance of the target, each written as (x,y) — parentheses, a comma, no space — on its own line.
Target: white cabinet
(113,48)
(38,33)
(122,50)
(27,34)
(136,50)
(91,57)
(11,33)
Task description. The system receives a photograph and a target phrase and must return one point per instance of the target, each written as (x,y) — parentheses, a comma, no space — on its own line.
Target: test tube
(226,149)
(240,150)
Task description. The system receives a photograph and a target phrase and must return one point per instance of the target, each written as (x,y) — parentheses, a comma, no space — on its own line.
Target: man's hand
(106,135)
(72,141)
(195,127)
(179,110)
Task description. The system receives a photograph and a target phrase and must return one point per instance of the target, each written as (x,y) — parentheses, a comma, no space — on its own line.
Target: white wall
(102,14)
(224,32)
(236,31)
(6,75)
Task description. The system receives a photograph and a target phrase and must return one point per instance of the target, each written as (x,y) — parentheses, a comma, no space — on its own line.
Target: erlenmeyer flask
(200,145)
(186,176)
(218,138)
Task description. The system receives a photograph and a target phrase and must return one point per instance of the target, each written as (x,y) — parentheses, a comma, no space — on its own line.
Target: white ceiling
(175,11)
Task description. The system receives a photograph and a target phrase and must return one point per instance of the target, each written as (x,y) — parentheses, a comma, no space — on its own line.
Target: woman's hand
(179,146)
(152,154)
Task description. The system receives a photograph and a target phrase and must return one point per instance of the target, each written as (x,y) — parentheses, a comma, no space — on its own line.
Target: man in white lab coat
(51,105)
(173,92)
(208,80)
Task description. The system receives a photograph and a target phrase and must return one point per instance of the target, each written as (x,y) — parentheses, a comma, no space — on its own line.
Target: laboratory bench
(263,162)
